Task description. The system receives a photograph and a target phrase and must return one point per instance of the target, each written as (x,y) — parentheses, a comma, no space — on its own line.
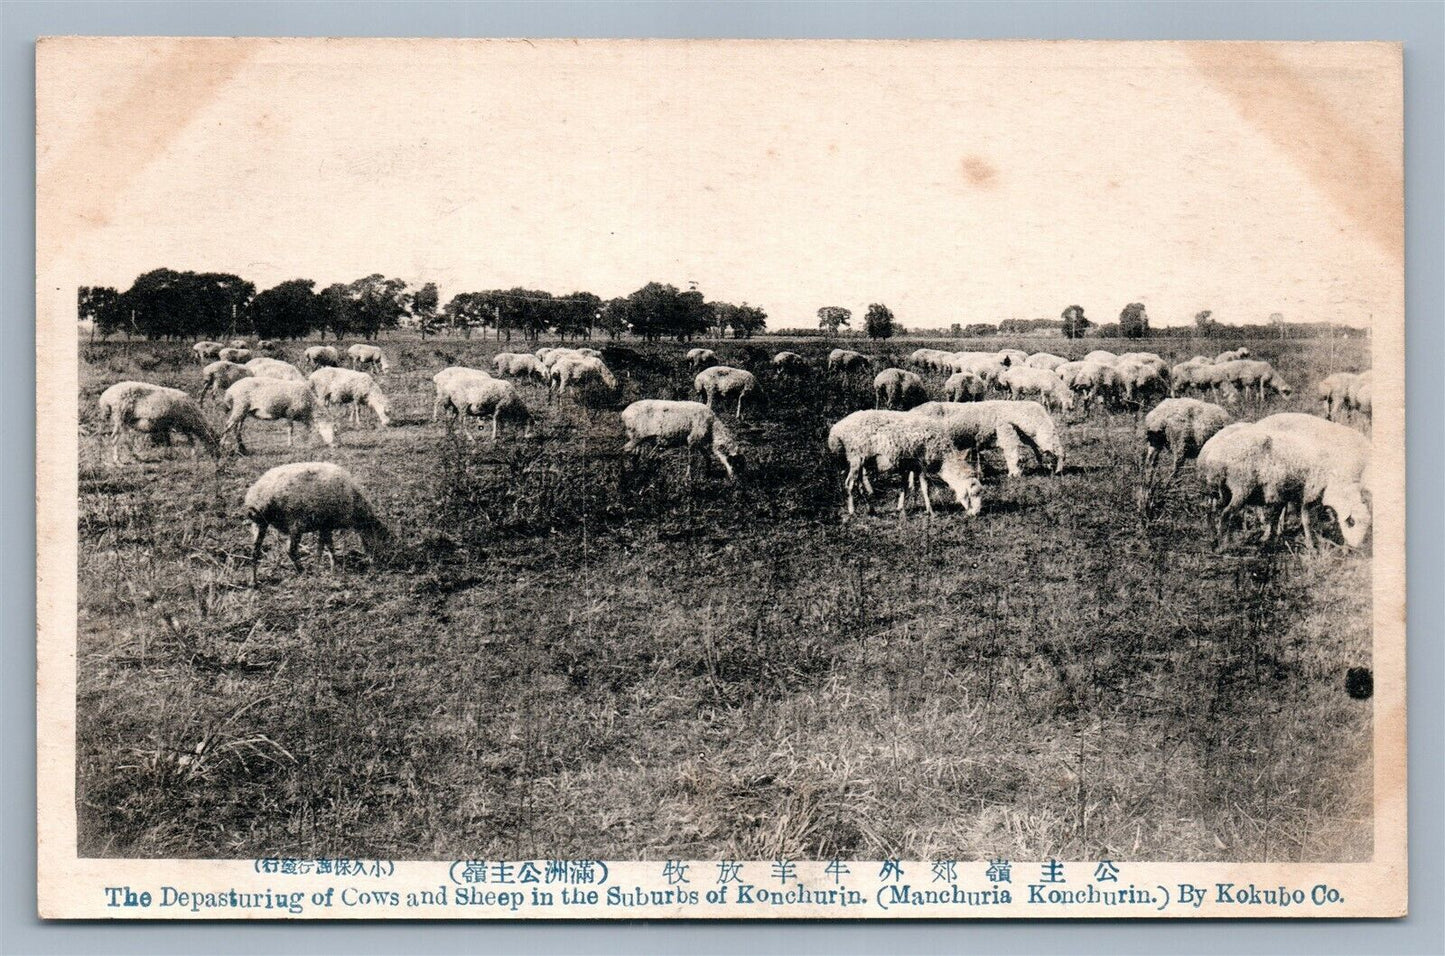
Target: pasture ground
(568,657)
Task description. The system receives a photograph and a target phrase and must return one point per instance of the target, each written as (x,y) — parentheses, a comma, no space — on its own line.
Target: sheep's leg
(290,432)
(1174,471)
(1306,523)
(740,408)
(328,548)
(927,493)
(1009,444)
(293,548)
(258,535)
(495,415)
(849,482)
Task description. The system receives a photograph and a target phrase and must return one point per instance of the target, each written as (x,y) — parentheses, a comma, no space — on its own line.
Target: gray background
(1420,25)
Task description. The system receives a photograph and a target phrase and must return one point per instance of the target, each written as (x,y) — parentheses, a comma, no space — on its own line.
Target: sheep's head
(1281,386)
(327,431)
(381,405)
(959,473)
(1351,512)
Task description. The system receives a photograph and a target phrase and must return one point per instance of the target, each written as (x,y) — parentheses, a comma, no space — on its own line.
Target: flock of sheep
(1281,464)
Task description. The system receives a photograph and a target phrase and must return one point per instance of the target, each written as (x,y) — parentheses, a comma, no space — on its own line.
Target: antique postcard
(513,479)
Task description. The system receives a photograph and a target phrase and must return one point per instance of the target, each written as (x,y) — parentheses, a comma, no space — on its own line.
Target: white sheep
(308,496)
(700,358)
(268,345)
(519,364)
(1181,425)
(1102,356)
(1010,426)
(344,386)
(322,356)
(965,387)
(1140,380)
(847,361)
(665,424)
(275,368)
(1245,374)
(572,370)
(491,398)
(915,446)
(551,356)
(1045,360)
(274,399)
(368,356)
(1361,395)
(1011,357)
(1092,381)
(448,384)
(983,365)
(927,358)
(790,363)
(1334,392)
(238,344)
(1026,382)
(232,353)
(140,407)
(898,389)
(221,376)
(1149,357)
(206,351)
(1232,356)
(1286,460)
(724,381)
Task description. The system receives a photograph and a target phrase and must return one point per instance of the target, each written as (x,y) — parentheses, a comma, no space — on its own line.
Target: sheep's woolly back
(724,380)
(311,496)
(1023,378)
(486,396)
(847,359)
(1186,420)
(1045,360)
(1102,356)
(154,408)
(519,363)
(341,386)
(789,360)
(1338,449)
(981,421)
(579,369)
(888,439)
(271,398)
(676,423)
(275,368)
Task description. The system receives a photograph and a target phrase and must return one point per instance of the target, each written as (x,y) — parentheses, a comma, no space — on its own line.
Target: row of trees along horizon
(166,304)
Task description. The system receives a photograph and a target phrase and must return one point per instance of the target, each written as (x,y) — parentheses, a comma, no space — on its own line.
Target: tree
(1134,321)
(879,321)
(612,317)
(377,303)
(1074,322)
(164,303)
(103,308)
(469,310)
(334,305)
(1204,323)
(1276,319)
(290,310)
(658,310)
(831,317)
(575,314)
(748,320)
(424,303)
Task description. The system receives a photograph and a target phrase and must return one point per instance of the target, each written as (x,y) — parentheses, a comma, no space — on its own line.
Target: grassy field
(570,656)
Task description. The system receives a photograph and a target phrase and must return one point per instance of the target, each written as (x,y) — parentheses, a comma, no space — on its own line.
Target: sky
(954,182)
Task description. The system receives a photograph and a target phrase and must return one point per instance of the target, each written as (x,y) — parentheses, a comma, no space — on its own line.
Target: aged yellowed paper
(614,479)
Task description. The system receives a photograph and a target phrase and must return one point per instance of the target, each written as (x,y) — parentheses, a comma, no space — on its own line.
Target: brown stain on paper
(978,172)
(79,188)
(1338,153)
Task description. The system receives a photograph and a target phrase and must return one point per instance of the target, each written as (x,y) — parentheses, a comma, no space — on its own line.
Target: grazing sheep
(790,362)
(1093,381)
(206,351)
(275,368)
(1361,395)
(1148,357)
(1334,392)
(964,387)
(1045,360)
(448,384)
(1011,357)
(1025,382)
(701,358)
(927,358)
(133,407)
(344,386)
(1006,424)
(238,344)
(916,446)
(1232,356)
(274,399)
(1102,356)
(322,356)
(1182,377)
(667,424)
(984,365)
(491,397)
(578,370)
(1288,460)
(590,353)
(368,356)
(268,345)
(308,496)
(895,388)
(550,357)
(1181,425)
(235,354)
(221,376)
(1140,380)
(723,381)
(520,364)
(847,361)
(1244,374)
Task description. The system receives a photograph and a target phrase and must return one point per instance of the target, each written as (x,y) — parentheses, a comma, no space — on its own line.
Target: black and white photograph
(985,459)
